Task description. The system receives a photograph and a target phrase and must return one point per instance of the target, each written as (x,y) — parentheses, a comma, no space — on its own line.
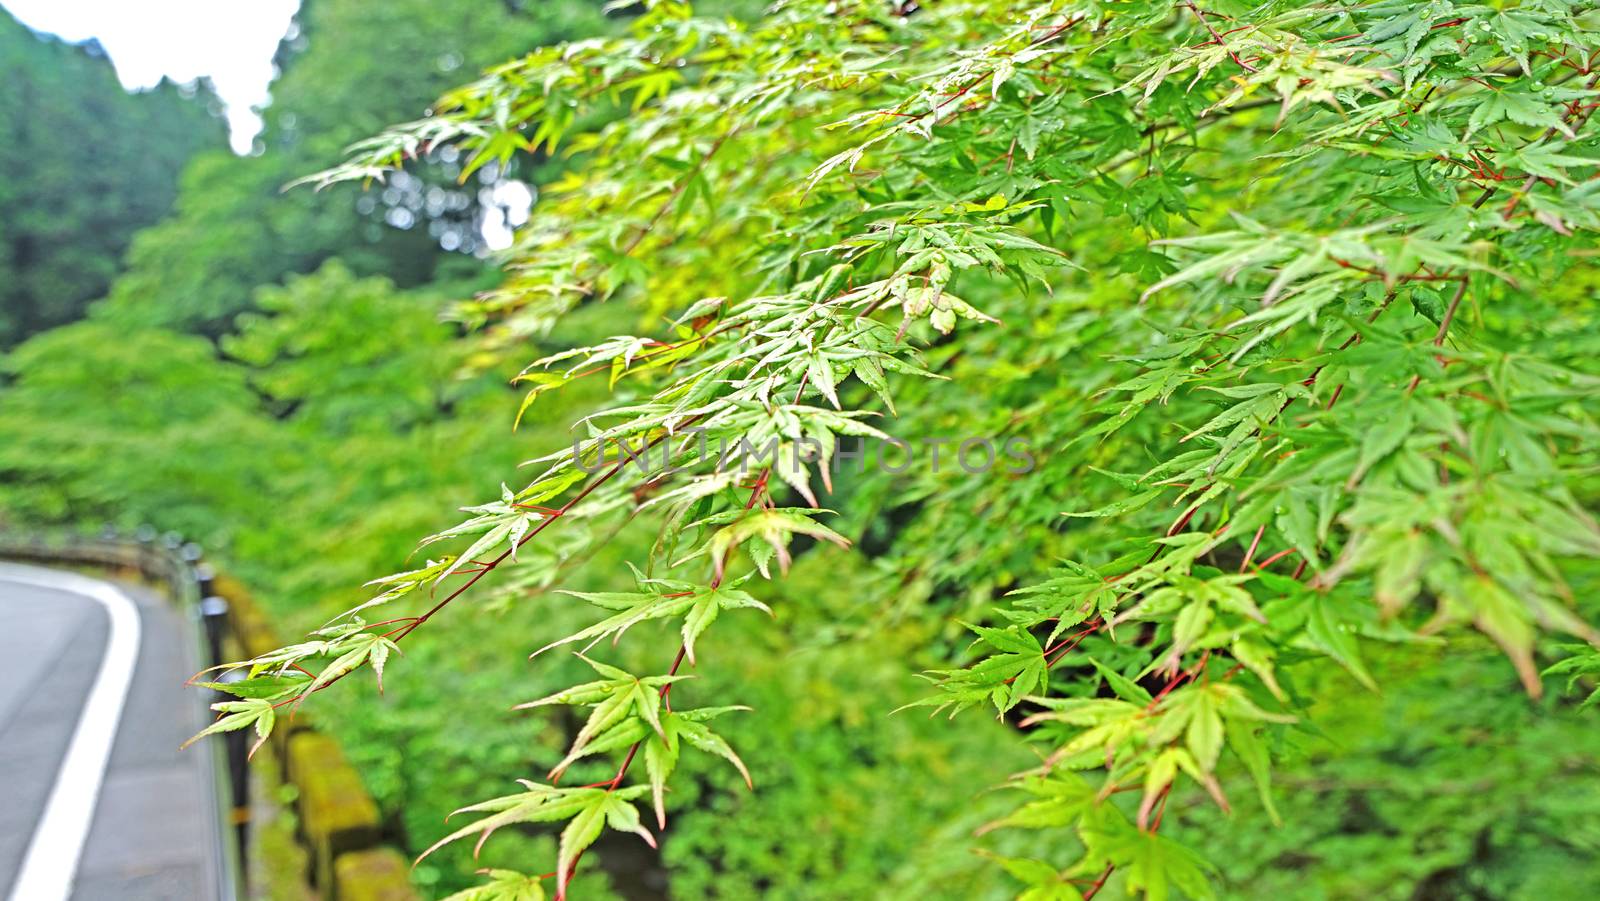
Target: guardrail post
(213,615)
(170,542)
(145,535)
(189,554)
(238,748)
(214,620)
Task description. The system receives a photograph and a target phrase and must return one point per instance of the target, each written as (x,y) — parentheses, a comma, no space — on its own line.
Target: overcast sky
(232,41)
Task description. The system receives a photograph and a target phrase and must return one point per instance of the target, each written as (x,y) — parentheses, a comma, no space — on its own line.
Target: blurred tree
(85,165)
(346,68)
(102,423)
(345,354)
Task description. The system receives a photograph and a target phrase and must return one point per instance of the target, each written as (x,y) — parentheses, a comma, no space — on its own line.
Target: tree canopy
(347,68)
(77,188)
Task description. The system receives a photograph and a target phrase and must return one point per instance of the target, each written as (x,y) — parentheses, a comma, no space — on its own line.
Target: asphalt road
(96,800)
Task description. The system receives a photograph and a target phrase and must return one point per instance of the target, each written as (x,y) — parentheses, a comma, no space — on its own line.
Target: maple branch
(677,191)
(1217,38)
(615,782)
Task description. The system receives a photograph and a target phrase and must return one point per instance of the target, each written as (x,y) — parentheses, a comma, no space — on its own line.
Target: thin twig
(1217,38)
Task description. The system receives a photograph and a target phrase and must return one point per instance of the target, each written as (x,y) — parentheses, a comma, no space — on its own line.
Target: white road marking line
(50,865)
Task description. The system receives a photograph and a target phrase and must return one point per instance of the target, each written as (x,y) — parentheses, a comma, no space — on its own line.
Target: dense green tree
(103,423)
(384,362)
(347,67)
(83,166)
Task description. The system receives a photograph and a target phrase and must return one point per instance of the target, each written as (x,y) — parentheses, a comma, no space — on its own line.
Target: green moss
(334,806)
(377,875)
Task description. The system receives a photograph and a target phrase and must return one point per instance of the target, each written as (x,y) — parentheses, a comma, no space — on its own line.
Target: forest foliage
(1285,312)
(76,188)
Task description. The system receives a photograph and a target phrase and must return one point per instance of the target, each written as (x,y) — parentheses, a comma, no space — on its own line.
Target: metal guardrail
(179,565)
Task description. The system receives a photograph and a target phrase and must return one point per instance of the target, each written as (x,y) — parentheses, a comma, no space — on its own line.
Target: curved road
(96,800)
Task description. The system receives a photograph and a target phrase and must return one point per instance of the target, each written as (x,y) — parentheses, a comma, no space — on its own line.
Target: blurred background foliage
(268,373)
(85,166)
